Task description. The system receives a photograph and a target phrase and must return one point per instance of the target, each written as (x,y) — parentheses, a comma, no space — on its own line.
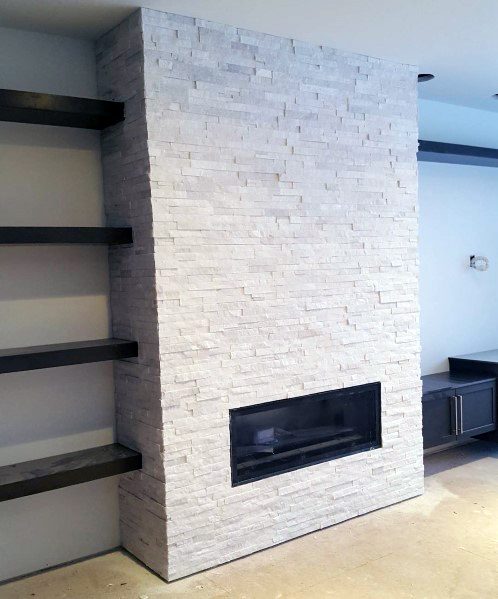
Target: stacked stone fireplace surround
(272,189)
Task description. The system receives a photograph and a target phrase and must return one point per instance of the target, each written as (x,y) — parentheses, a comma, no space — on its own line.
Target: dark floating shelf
(436,151)
(56,472)
(65,235)
(64,111)
(64,354)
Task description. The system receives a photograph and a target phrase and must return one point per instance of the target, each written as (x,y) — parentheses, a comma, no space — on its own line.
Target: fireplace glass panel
(284,435)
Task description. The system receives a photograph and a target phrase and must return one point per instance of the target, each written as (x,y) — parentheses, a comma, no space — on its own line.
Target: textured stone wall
(283,206)
(127,188)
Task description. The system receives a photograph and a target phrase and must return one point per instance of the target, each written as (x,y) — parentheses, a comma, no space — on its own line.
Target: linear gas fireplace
(284,435)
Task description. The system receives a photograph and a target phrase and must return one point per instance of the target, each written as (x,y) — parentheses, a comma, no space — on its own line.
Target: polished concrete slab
(442,545)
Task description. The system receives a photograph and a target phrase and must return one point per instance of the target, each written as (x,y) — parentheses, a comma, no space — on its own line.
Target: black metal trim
(436,151)
(306,398)
(66,235)
(56,472)
(65,354)
(64,111)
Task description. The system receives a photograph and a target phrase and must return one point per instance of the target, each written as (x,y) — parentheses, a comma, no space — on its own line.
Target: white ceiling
(457,41)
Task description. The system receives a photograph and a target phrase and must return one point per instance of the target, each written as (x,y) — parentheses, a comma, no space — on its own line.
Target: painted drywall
(458,217)
(457,124)
(52,176)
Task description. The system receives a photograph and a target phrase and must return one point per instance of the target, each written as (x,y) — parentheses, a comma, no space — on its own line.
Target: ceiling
(457,41)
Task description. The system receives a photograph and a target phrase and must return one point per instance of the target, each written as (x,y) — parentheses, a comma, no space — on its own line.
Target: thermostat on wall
(479,262)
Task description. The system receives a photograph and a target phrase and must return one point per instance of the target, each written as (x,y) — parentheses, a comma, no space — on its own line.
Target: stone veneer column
(127,188)
(272,185)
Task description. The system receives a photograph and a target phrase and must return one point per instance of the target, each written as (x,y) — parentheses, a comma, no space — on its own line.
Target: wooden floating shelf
(56,472)
(65,354)
(65,235)
(64,111)
(436,151)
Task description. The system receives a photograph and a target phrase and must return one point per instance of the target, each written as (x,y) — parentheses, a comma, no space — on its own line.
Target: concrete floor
(441,545)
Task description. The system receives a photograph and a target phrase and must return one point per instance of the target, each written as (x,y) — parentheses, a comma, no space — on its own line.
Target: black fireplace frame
(332,455)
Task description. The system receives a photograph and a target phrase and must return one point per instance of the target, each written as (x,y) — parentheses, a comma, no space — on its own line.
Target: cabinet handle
(455,401)
(460,397)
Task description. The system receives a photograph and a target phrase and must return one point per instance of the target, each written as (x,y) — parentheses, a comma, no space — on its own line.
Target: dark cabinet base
(457,406)
(439,419)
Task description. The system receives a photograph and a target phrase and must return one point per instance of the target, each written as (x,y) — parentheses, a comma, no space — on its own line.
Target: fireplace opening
(284,435)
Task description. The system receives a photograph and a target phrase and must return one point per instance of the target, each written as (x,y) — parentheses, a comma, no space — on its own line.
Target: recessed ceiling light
(425,77)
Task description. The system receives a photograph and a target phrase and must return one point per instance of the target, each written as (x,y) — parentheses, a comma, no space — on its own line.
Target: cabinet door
(477,409)
(439,414)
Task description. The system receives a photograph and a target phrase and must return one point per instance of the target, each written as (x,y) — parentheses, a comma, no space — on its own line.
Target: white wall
(52,176)
(458,217)
(457,124)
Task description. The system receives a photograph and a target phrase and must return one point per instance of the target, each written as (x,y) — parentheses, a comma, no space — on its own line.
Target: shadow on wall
(68,399)
(29,272)
(50,176)
(42,136)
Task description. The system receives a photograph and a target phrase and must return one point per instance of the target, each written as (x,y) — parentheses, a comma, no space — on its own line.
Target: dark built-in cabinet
(456,406)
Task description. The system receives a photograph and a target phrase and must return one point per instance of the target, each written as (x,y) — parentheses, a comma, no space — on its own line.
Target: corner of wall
(127,188)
